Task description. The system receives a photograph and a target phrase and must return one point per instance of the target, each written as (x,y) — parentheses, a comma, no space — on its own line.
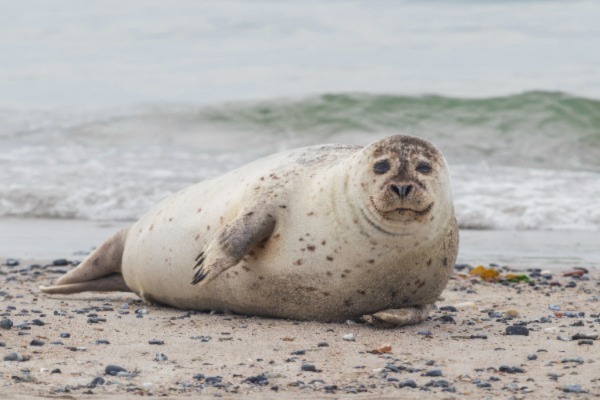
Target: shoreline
(73,239)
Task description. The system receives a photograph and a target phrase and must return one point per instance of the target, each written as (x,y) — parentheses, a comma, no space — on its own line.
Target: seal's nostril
(401,191)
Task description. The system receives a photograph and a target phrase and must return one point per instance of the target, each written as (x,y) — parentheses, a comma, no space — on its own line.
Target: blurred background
(106,107)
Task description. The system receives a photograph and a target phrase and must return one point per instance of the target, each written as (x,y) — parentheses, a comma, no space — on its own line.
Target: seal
(327,233)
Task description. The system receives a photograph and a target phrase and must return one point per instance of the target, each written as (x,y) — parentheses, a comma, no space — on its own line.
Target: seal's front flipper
(394,318)
(232,243)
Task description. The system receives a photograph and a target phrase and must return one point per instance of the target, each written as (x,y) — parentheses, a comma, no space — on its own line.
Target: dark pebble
(579,336)
(36,342)
(257,380)
(102,341)
(37,322)
(585,342)
(198,377)
(213,380)
(13,357)
(330,388)
(299,352)
(440,383)
(407,383)
(449,308)
(323,344)
(433,372)
(511,370)
(97,381)
(113,370)
(56,371)
(156,341)
(65,335)
(532,357)
(484,385)
(95,320)
(61,262)
(308,368)
(517,330)
(11,262)
(6,324)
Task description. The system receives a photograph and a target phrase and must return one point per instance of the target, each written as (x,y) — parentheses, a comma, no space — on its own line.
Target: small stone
(424,333)
(517,330)
(407,383)
(11,262)
(102,341)
(564,338)
(272,375)
(465,305)
(299,352)
(511,370)
(13,357)
(257,380)
(449,308)
(113,370)
(6,324)
(590,336)
(554,307)
(61,262)
(36,342)
(577,360)
(532,357)
(572,389)
(97,381)
(349,337)
(65,335)
(323,344)
(160,357)
(198,377)
(585,342)
(212,380)
(433,373)
(308,368)
(38,322)
(156,342)
(56,371)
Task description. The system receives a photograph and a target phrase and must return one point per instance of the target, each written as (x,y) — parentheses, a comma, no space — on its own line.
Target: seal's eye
(423,168)
(381,167)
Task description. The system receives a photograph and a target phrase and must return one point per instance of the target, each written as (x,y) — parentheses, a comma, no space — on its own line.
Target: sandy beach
(526,333)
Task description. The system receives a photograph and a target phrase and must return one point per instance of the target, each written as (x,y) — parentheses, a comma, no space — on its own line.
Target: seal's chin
(412,210)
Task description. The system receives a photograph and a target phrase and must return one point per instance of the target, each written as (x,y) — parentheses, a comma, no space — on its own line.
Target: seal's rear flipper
(110,283)
(101,263)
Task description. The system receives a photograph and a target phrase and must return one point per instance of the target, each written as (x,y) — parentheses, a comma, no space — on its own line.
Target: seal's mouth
(402,210)
(412,210)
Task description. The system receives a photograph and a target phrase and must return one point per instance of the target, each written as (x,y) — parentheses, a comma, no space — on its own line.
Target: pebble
(323,344)
(36,342)
(102,341)
(65,335)
(308,368)
(257,380)
(532,357)
(6,324)
(97,381)
(511,370)
(449,308)
(572,389)
(554,307)
(433,373)
(113,370)
(517,330)
(465,305)
(407,383)
(156,342)
(577,360)
(272,375)
(590,336)
(56,371)
(198,377)
(61,262)
(160,357)
(11,262)
(512,313)
(213,380)
(13,357)
(350,337)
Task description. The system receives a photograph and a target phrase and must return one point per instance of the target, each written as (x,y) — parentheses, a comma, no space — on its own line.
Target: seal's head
(403,180)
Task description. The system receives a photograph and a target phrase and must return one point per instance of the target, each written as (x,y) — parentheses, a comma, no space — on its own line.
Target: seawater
(528,161)
(106,107)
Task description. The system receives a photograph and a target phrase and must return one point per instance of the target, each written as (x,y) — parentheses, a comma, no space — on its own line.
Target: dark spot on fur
(276,236)
(170,219)
(249,214)
(347,271)
(199,210)
(445,262)
(310,214)
(262,178)
(208,227)
(343,275)
(329,258)
(228,275)
(298,262)
(301,239)
(429,262)
(323,243)
(310,247)
(282,206)
(421,284)
(151,227)
(245,268)
(393,293)
(328,273)
(348,303)
(261,277)
(371,261)
(325,293)
(361,292)
(197,237)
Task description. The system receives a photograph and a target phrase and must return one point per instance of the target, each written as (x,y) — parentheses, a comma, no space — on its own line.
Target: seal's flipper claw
(395,318)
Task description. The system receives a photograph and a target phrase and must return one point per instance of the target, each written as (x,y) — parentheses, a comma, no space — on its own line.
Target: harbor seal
(326,233)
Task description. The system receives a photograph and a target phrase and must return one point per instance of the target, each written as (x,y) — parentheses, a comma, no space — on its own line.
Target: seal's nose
(401,191)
